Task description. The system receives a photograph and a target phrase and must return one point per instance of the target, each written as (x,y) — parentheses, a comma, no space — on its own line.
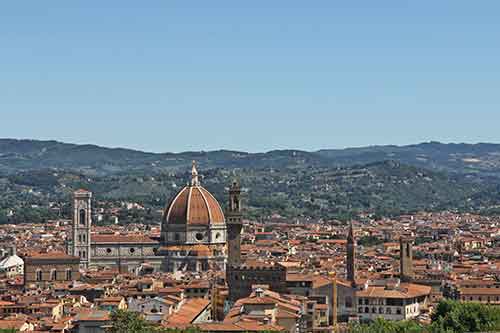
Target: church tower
(405,259)
(234,225)
(351,256)
(82,221)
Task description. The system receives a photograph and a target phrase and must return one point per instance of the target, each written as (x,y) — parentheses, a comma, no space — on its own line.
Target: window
(80,238)
(360,301)
(199,236)
(389,311)
(177,237)
(407,249)
(348,302)
(131,250)
(367,310)
(69,276)
(360,309)
(108,250)
(84,255)
(381,310)
(38,275)
(398,311)
(83,216)
(53,275)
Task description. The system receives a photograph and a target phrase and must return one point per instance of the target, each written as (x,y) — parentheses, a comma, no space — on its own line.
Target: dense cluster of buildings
(209,268)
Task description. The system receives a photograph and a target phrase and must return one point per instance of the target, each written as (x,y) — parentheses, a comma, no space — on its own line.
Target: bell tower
(406,258)
(234,225)
(82,221)
(351,256)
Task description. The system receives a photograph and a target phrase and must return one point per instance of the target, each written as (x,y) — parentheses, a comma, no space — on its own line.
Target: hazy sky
(250,75)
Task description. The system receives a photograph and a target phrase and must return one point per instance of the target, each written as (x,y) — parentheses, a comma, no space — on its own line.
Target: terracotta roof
(96,315)
(189,311)
(241,326)
(50,255)
(194,205)
(405,290)
(122,239)
(480,291)
(8,324)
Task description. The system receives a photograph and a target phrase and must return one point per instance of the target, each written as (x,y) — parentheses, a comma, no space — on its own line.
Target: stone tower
(406,259)
(82,221)
(351,256)
(234,225)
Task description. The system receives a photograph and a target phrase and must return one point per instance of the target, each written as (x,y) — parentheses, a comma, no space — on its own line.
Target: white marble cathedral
(193,235)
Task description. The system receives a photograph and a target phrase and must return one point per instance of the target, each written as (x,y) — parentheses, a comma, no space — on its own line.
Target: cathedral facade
(193,235)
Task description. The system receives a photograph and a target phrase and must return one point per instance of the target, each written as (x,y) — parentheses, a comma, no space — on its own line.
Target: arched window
(84,255)
(69,277)
(408,249)
(348,302)
(83,216)
(367,310)
(38,275)
(53,275)
(381,310)
(389,311)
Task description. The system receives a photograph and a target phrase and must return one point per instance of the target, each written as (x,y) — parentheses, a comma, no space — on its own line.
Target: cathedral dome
(194,205)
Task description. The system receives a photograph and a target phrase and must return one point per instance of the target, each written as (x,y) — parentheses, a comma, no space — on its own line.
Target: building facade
(193,235)
(46,268)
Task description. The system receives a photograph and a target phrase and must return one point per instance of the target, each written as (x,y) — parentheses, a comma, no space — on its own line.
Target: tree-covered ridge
(479,161)
(382,188)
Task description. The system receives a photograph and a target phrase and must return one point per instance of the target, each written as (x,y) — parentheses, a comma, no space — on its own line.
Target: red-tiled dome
(194,205)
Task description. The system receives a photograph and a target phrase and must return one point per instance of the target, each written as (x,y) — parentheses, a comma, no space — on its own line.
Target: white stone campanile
(82,221)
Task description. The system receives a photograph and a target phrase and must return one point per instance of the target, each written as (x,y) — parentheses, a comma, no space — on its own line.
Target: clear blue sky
(250,75)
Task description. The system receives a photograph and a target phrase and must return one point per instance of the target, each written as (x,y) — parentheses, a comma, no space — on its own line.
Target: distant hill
(482,159)
(384,180)
(477,161)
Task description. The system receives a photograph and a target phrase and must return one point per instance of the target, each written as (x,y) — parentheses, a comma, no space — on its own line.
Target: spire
(350,237)
(194,175)
(351,256)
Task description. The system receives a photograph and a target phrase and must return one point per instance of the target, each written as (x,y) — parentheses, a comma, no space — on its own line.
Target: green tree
(130,322)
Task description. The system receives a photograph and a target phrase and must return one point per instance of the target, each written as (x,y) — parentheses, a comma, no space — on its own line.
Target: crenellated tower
(234,224)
